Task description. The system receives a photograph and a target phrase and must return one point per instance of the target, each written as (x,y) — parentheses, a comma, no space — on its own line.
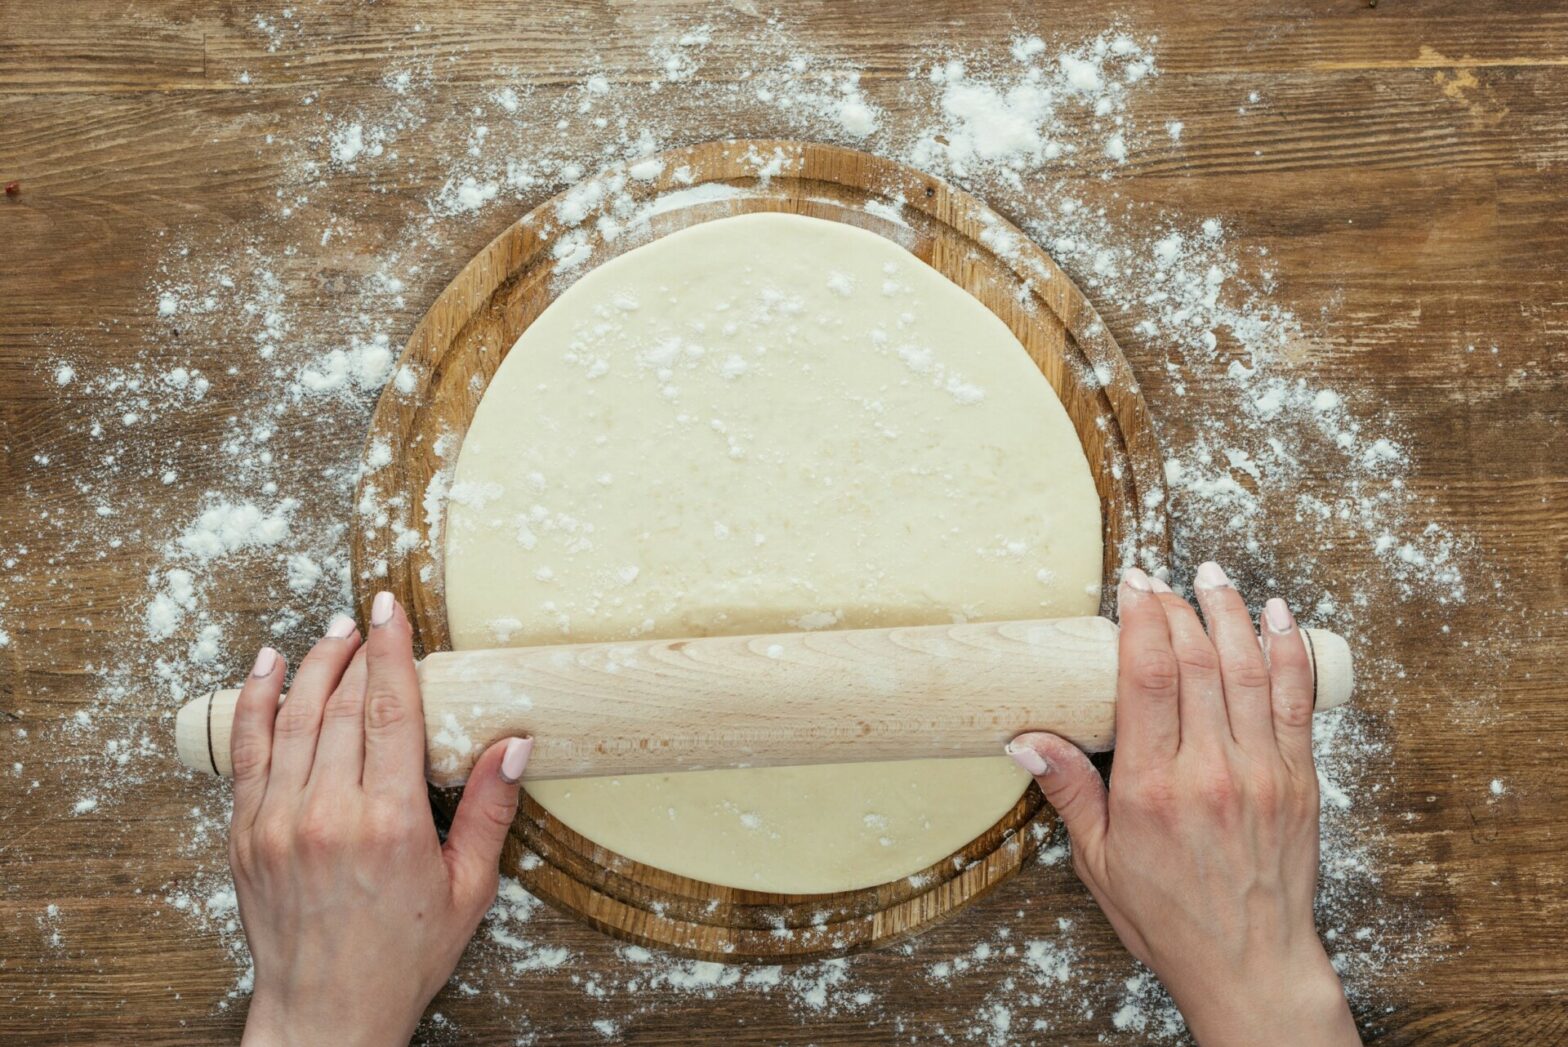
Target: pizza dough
(760,424)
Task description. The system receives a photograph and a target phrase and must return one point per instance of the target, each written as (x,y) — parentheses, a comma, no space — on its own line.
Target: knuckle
(1155,796)
(1293,710)
(1264,791)
(247,759)
(273,843)
(294,718)
(345,704)
(1218,792)
(319,830)
(1250,675)
(499,814)
(388,824)
(1155,672)
(1198,659)
(384,709)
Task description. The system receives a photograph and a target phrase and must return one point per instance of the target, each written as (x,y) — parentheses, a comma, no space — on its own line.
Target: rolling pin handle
(1333,675)
(201,732)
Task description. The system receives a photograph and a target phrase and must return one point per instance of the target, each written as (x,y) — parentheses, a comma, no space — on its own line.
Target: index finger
(250,739)
(394,713)
(1293,691)
(1148,727)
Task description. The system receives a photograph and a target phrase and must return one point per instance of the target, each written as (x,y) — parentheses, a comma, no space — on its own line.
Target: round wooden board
(468,331)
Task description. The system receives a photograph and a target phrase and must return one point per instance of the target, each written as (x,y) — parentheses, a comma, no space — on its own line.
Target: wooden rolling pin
(758,701)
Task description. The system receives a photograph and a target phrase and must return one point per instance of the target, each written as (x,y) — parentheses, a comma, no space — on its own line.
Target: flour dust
(242,326)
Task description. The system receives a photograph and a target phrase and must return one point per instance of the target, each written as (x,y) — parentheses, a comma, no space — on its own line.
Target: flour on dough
(760,424)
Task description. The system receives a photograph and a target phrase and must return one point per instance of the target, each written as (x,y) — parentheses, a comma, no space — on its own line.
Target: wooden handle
(759,701)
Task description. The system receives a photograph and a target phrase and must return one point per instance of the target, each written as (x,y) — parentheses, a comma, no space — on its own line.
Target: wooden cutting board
(461,341)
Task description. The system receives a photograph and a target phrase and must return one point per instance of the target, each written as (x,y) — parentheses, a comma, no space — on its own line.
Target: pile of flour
(1044,129)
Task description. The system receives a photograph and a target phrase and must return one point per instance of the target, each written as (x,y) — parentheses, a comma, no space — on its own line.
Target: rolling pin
(759,701)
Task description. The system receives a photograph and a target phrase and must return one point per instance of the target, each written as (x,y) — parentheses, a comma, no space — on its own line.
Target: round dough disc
(761,424)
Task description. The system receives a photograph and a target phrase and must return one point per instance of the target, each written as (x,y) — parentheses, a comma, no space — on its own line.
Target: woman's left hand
(355,912)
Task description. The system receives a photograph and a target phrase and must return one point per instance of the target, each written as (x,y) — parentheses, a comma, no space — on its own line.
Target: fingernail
(1159,586)
(341,628)
(266,660)
(1025,757)
(381,609)
(515,759)
(1277,614)
(1212,576)
(1133,578)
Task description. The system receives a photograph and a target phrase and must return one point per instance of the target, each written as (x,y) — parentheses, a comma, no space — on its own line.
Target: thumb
(483,818)
(1070,784)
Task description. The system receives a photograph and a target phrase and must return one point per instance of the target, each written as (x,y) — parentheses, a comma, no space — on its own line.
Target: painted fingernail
(266,661)
(1134,578)
(1158,585)
(1276,613)
(515,759)
(342,627)
(1025,757)
(381,609)
(1211,576)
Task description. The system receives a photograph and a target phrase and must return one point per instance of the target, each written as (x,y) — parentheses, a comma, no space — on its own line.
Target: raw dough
(759,424)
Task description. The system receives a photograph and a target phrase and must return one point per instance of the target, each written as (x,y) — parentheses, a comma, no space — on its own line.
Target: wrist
(267,1022)
(1299,1001)
(277,1021)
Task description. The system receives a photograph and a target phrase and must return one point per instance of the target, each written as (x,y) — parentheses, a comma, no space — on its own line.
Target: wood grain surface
(1407,179)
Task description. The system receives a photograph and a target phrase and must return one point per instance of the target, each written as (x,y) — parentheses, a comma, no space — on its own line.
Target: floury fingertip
(1212,576)
(1134,579)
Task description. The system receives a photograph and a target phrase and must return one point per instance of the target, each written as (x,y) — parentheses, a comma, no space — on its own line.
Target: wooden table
(1408,175)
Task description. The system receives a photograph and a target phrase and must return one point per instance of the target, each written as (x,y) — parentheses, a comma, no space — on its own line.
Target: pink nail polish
(266,661)
(1158,585)
(1276,614)
(1212,576)
(1025,757)
(515,759)
(342,627)
(381,609)
(1134,578)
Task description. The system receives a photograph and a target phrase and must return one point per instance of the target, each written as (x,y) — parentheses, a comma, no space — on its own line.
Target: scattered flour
(299,362)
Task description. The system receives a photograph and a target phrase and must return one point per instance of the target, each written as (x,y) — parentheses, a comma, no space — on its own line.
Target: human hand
(1204,855)
(355,912)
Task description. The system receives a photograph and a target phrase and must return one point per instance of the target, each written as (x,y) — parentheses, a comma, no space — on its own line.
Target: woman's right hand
(1204,853)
